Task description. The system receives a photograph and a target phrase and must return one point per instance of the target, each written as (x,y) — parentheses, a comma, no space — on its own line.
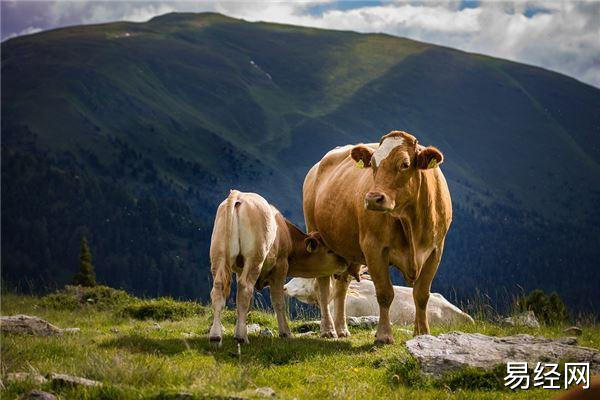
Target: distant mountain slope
(160,119)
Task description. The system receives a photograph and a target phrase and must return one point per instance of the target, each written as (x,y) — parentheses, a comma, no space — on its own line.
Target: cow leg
(340,287)
(421,290)
(245,289)
(276,283)
(379,269)
(218,295)
(327,328)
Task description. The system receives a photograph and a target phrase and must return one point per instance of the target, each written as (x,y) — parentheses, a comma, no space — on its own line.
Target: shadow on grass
(262,350)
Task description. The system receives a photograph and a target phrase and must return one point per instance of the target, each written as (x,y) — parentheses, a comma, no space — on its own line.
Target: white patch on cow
(386,148)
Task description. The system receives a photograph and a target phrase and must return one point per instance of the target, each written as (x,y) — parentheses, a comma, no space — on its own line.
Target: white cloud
(558,35)
(27,31)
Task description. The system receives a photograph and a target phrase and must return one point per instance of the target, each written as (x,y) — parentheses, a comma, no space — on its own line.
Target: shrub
(405,372)
(162,308)
(548,309)
(74,297)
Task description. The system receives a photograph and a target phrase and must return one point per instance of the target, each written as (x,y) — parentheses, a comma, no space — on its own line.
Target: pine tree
(86,275)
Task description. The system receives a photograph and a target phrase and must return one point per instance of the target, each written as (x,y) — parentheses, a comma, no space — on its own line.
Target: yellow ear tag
(432,163)
(360,163)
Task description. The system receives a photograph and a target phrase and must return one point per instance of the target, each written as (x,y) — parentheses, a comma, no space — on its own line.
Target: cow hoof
(216,341)
(329,334)
(242,340)
(343,333)
(384,340)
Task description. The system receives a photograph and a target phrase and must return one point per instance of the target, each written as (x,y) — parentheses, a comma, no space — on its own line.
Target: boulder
(25,376)
(573,330)
(155,326)
(526,318)
(367,322)
(302,334)
(444,353)
(25,324)
(266,332)
(253,328)
(265,392)
(59,380)
(37,395)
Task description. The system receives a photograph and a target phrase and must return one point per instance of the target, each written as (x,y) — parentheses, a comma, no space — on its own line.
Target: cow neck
(296,237)
(415,212)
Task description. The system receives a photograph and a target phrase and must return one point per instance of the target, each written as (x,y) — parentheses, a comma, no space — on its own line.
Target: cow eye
(404,165)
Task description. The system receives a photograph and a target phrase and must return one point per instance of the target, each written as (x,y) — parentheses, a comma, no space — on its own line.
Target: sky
(562,36)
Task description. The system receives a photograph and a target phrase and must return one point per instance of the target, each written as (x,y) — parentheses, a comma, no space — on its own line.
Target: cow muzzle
(378,201)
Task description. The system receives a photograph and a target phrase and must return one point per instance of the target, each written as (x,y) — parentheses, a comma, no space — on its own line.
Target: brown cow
(251,238)
(394,208)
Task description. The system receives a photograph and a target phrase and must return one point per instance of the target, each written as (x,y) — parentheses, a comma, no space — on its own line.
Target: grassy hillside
(135,360)
(132,133)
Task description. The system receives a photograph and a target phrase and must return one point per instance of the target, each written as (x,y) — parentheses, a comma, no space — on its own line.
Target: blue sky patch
(531,11)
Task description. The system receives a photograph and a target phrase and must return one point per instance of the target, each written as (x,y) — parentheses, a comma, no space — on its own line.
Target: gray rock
(25,376)
(573,330)
(59,380)
(265,392)
(155,326)
(266,332)
(526,318)
(253,328)
(37,395)
(367,322)
(114,330)
(72,330)
(309,333)
(450,351)
(25,324)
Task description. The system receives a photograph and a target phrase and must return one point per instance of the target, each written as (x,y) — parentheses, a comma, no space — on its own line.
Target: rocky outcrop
(573,330)
(25,324)
(37,395)
(33,377)
(367,322)
(59,380)
(444,353)
(526,318)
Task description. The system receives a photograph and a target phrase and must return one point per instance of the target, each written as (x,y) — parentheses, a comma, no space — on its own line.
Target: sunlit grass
(135,360)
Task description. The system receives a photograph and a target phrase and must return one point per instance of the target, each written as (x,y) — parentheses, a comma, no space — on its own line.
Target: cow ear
(429,157)
(362,156)
(312,244)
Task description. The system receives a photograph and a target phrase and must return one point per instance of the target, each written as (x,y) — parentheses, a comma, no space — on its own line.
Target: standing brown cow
(253,239)
(394,208)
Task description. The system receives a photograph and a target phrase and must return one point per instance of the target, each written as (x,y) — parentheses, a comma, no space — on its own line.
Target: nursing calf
(251,238)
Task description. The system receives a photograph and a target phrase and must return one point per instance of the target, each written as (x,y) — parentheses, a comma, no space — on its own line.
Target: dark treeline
(146,239)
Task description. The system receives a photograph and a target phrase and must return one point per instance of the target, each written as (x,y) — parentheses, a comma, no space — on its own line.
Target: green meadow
(121,346)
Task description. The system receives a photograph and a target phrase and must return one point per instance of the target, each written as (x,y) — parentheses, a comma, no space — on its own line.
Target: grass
(136,361)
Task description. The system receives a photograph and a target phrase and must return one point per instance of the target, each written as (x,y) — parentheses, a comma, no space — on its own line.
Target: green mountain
(132,133)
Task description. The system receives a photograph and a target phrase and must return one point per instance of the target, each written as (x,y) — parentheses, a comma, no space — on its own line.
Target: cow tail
(231,222)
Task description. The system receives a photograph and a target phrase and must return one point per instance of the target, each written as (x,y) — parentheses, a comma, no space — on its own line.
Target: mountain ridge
(180,109)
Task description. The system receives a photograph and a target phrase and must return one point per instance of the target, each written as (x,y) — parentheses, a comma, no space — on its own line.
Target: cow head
(395,164)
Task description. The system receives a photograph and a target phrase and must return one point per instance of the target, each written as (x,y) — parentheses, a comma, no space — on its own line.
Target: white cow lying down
(362,301)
